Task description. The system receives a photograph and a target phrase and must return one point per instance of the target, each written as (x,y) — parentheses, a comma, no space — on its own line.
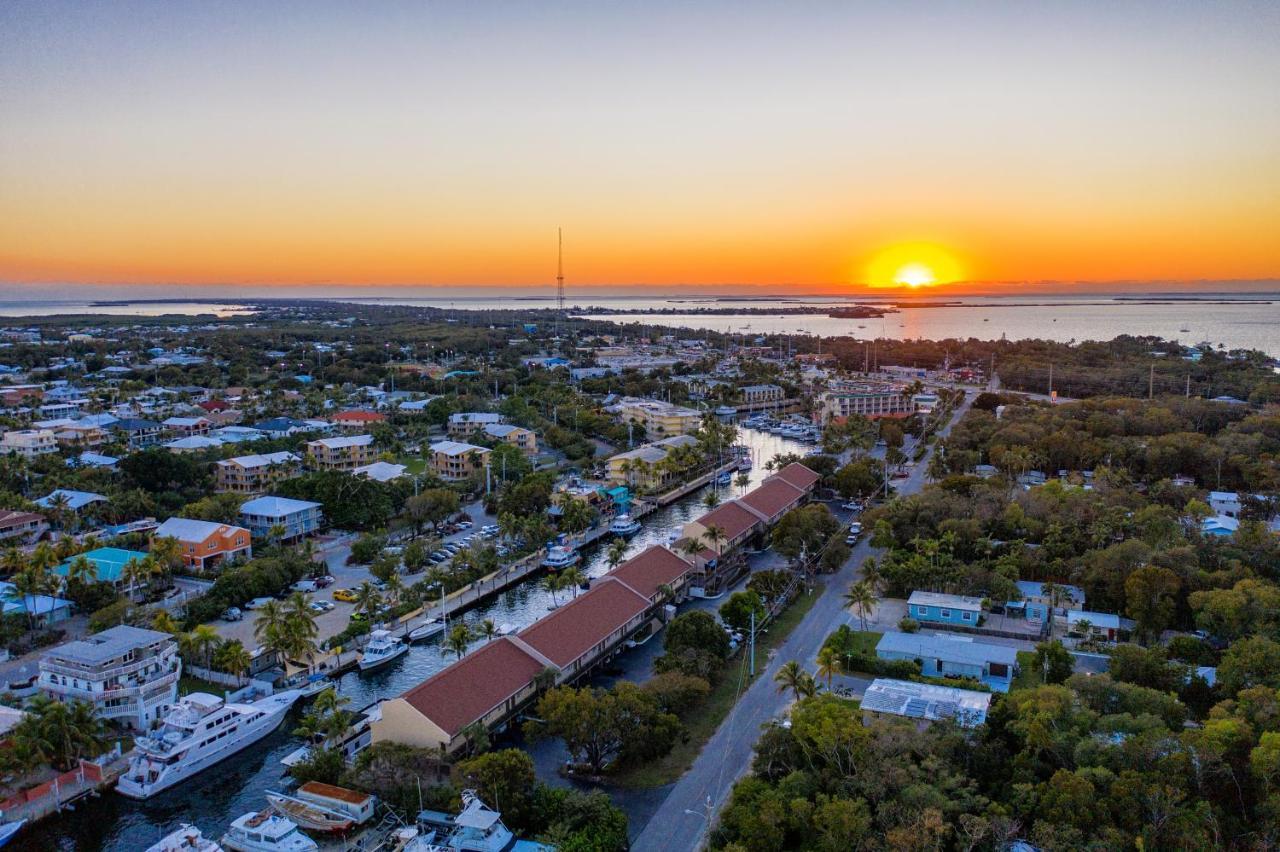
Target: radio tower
(559,270)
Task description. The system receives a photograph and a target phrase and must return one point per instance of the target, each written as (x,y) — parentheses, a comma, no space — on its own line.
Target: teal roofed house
(109,562)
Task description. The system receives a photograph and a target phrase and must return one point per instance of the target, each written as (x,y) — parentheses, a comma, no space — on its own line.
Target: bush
(109,616)
(909,625)
(259,578)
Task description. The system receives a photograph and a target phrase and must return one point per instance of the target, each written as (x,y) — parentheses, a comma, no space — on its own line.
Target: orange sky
(421,146)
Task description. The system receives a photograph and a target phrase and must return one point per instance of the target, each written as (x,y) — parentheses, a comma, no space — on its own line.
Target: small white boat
(382,649)
(625,526)
(561,556)
(725,478)
(426,630)
(265,831)
(187,838)
(726,411)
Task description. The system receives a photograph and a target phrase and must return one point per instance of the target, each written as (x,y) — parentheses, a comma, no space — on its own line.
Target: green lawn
(1028,672)
(414,464)
(703,721)
(865,642)
(189,683)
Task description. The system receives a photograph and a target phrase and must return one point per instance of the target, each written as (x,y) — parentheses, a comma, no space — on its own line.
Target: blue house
(937,608)
(108,563)
(297,517)
(952,656)
(1035,604)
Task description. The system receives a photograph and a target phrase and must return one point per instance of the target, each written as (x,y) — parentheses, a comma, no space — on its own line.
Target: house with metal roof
(205,544)
(108,563)
(924,703)
(950,655)
(939,608)
(298,517)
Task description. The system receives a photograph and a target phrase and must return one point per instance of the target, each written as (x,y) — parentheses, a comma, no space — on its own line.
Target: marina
(240,784)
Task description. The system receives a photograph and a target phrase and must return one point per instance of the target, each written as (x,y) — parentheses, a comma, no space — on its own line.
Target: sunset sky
(806,145)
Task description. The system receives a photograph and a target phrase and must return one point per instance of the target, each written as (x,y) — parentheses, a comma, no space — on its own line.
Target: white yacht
(265,831)
(560,556)
(624,525)
(187,838)
(199,732)
(382,649)
(426,630)
(727,411)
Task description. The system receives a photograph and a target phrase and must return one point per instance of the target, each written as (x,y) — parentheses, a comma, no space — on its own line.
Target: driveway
(682,820)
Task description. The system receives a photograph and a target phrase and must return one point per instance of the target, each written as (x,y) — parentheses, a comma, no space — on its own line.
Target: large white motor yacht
(559,557)
(199,732)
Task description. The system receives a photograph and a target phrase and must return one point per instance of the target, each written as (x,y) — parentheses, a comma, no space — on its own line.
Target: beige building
(256,474)
(345,453)
(757,394)
(872,400)
(28,443)
(464,424)
(639,468)
(517,436)
(456,460)
(658,418)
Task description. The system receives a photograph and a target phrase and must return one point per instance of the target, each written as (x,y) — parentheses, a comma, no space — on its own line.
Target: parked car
(852,506)
(324,582)
(344,595)
(320,606)
(305,586)
(232,613)
(257,602)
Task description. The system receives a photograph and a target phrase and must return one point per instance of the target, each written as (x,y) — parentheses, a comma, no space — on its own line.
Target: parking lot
(335,554)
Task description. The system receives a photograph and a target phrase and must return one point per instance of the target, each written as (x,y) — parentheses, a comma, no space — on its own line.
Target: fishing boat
(187,838)
(624,525)
(265,831)
(200,731)
(9,829)
(561,556)
(426,630)
(308,816)
(726,411)
(382,649)
(477,828)
(725,477)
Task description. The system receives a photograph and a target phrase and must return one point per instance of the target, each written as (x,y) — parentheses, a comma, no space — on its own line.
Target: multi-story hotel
(658,418)
(128,674)
(868,399)
(345,453)
(455,460)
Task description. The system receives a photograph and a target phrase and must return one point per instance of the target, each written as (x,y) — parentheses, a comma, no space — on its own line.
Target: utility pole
(753,643)
(1188,392)
(1051,381)
(1151,381)
(559,278)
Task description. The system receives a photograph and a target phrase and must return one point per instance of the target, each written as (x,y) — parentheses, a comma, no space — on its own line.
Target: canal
(217,796)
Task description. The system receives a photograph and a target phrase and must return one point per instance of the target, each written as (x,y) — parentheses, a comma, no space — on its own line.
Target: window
(945,613)
(967,616)
(923,610)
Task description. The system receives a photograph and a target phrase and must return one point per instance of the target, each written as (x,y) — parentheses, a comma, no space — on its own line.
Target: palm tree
(666,594)
(43,557)
(395,588)
(862,599)
(742,481)
(616,553)
(164,622)
(828,664)
(488,629)
(60,734)
(711,500)
(269,623)
(715,534)
(167,553)
(692,546)
(233,658)
(31,582)
(82,570)
(571,578)
(458,639)
(545,679)
(133,573)
(791,677)
(807,687)
(871,574)
(553,583)
(276,532)
(12,561)
(368,599)
(202,642)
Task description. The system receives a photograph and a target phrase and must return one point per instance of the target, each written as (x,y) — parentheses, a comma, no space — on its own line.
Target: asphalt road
(692,806)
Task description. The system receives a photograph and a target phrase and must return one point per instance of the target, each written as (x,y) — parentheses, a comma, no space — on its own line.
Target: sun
(913,266)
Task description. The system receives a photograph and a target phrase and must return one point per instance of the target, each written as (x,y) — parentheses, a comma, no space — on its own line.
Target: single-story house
(1035,604)
(108,563)
(943,655)
(924,702)
(1105,625)
(75,500)
(939,608)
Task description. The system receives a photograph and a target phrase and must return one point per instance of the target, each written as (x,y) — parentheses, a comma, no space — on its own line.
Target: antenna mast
(560,270)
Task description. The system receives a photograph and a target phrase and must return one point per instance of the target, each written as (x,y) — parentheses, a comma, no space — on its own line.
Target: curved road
(693,804)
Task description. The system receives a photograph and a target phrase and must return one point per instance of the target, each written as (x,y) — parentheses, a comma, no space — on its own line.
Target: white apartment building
(129,674)
(29,443)
(868,400)
(756,394)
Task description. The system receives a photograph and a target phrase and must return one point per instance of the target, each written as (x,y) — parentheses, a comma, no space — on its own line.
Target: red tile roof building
(587,622)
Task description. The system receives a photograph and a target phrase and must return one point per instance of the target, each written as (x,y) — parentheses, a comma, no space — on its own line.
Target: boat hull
(382,661)
(310,817)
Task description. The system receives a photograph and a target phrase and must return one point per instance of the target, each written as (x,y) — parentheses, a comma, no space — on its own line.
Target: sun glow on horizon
(913,266)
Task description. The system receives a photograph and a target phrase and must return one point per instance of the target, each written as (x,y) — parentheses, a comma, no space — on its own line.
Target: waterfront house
(952,656)
(73,501)
(924,703)
(108,563)
(938,608)
(129,675)
(298,517)
(206,544)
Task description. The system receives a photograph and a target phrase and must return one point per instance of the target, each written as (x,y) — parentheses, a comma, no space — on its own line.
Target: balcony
(163,659)
(129,689)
